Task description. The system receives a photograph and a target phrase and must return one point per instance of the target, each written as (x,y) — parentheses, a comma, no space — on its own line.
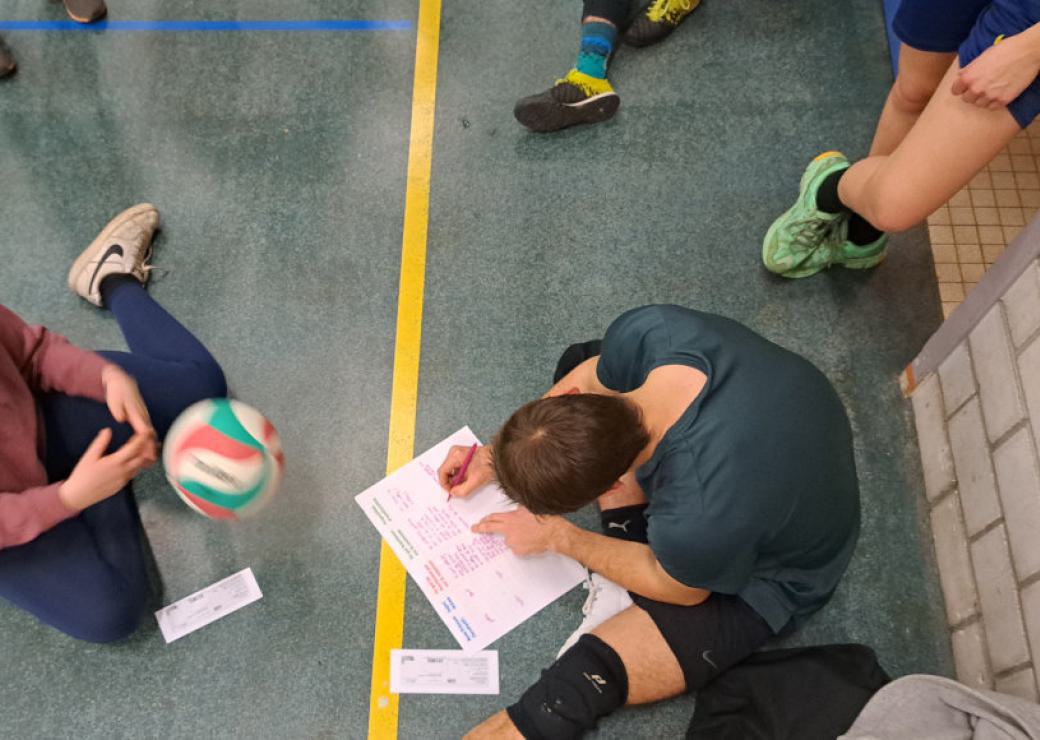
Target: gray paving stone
(1030,596)
(1020,683)
(936,457)
(958,379)
(1022,302)
(998,595)
(969,657)
(1018,480)
(994,361)
(1029,372)
(971,461)
(951,554)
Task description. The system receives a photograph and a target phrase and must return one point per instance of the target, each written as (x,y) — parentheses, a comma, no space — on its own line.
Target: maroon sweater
(33,361)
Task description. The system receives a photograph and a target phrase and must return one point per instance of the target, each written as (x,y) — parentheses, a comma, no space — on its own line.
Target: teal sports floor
(278,162)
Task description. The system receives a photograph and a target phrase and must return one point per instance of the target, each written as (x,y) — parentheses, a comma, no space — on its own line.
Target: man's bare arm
(629,564)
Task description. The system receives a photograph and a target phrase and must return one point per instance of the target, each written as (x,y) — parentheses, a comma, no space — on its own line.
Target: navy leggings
(87,576)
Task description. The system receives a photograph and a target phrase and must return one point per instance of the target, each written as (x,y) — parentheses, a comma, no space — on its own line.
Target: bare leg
(653,670)
(950,143)
(919,75)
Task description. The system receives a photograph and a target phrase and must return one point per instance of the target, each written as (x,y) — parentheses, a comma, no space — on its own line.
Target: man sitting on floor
(723,468)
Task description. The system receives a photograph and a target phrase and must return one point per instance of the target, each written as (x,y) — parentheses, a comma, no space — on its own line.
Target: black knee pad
(587,683)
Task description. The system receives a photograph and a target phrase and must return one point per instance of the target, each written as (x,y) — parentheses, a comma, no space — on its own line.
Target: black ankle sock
(827,199)
(112,282)
(861,231)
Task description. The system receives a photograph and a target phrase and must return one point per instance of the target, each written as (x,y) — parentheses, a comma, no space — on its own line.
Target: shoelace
(671,11)
(590,600)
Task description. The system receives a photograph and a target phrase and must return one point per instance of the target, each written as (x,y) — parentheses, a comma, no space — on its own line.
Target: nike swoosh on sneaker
(114,249)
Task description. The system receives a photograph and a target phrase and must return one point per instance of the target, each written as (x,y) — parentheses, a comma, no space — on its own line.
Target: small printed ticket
(208,605)
(444,672)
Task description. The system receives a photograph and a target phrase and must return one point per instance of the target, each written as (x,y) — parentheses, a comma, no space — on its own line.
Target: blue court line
(165,26)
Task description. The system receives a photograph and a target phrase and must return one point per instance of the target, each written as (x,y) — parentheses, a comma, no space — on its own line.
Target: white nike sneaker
(122,248)
(605,599)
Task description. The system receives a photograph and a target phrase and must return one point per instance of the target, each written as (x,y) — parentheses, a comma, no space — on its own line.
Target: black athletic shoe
(657,20)
(8,66)
(86,11)
(577,98)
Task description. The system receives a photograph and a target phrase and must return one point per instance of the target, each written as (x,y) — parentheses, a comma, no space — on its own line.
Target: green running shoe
(805,239)
(657,20)
(862,256)
(577,98)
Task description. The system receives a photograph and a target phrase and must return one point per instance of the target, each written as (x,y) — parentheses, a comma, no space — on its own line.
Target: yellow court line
(382,711)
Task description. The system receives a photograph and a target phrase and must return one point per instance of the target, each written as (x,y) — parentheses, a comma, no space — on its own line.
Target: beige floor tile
(985,216)
(1007,198)
(968,287)
(961,198)
(940,217)
(983,179)
(948,308)
(1011,232)
(1023,163)
(1000,163)
(1029,198)
(949,273)
(1035,143)
(1027,180)
(946,253)
(940,234)
(985,198)
(963,215)
(1003,179)
(991,252)
(969,253)
(971,273)
(991,234)
(1020,145)
(968,234)
(1008,217)
(951,291)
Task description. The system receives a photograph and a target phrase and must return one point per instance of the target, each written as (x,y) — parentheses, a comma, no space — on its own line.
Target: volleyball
(223,458)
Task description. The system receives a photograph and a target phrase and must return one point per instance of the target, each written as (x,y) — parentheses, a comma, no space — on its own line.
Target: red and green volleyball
(223,458)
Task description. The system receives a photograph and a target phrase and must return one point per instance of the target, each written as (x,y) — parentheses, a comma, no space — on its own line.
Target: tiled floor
(970,232)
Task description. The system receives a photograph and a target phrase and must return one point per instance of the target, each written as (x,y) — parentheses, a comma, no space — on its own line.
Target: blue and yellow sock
(597,43)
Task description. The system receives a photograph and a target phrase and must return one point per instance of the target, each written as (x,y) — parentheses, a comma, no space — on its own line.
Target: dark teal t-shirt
(753,491)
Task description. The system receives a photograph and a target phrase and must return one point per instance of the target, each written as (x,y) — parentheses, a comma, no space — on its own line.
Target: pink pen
(461,472)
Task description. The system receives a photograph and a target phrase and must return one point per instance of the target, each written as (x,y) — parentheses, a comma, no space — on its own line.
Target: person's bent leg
(844,213)
(950,143)
(919,75)
(172,368)
(85,577)
(647,653)
(583,95)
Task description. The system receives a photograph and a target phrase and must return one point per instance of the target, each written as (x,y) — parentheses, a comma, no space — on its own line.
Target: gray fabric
(935,708)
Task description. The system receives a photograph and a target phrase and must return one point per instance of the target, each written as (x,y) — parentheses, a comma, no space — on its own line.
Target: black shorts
(709,638)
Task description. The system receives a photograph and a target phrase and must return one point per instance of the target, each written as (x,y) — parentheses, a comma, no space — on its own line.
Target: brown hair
(557,454)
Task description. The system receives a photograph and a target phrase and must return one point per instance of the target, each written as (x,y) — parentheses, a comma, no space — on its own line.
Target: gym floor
(278,161)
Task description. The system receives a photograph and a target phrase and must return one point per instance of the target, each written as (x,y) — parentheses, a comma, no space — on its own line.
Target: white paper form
(208,605)
(476,585)
(444,671)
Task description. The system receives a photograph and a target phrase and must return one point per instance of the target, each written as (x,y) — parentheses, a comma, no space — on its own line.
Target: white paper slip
(208,605)
(443,672)
(477,586)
